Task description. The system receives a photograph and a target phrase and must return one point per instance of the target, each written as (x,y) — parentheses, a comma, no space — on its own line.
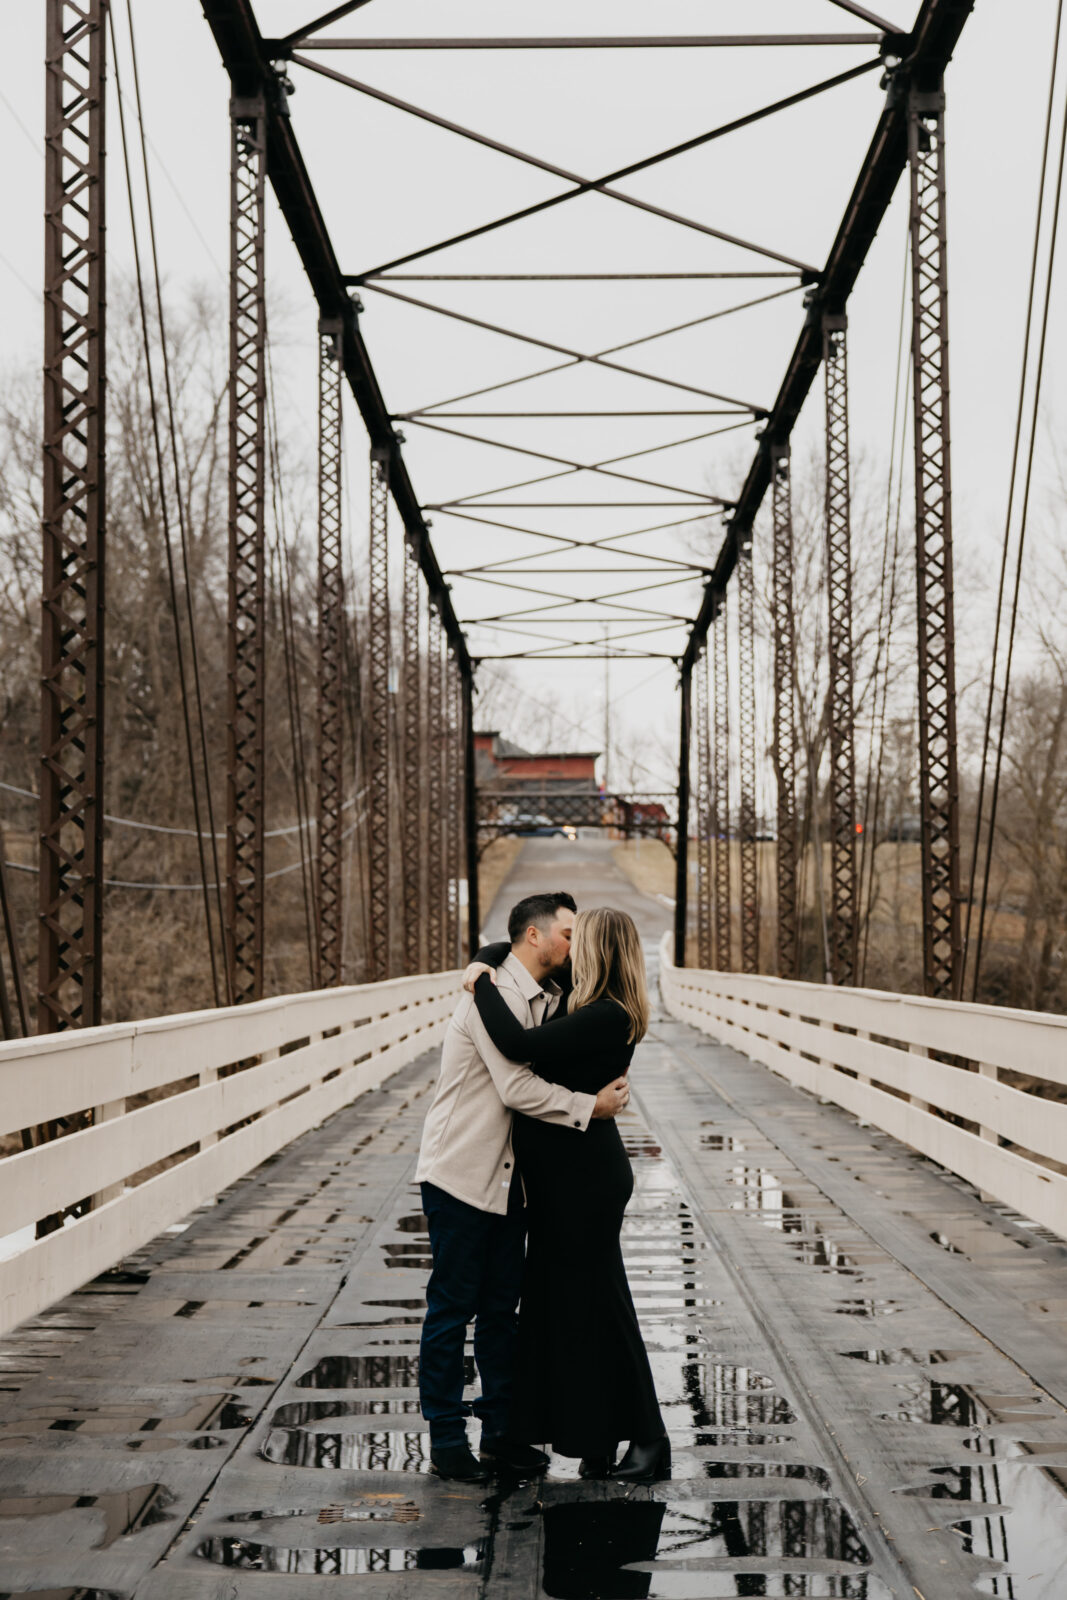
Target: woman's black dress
(583,1382)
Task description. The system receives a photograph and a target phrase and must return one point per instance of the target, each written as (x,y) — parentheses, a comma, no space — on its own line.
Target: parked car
(905,830)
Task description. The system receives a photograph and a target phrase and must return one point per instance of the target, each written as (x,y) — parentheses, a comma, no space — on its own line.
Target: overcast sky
(389,184)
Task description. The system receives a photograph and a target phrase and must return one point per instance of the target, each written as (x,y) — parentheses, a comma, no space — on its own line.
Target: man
(473,1198)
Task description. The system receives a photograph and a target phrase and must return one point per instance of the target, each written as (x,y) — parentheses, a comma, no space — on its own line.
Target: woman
(583,1381)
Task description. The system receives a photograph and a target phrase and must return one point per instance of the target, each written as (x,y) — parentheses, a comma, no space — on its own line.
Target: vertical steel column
(331,654)
(720,808)
(785,729)
(247,573)
(470,820)
(681,852)
(843,897)
(453,804)
(413,835)
(938,779)
(73,522)
(435,885)
(746,727)
(703,810)
(378,776)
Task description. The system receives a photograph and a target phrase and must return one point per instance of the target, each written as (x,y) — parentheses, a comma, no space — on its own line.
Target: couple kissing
(525,1181)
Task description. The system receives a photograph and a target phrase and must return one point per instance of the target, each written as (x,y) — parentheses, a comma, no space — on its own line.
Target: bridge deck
(864,1370)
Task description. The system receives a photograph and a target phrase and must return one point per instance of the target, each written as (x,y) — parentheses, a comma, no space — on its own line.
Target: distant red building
(503,765)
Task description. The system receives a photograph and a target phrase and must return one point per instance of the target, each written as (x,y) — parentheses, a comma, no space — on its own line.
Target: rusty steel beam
(331,622)
(247,572)
(705,956)
(844,920)
(378,852)
(412,830)
(938,776)
(434,758)
(470,813)
(681,850)
(720,790)
(785,727)
(746,731)
(71,860)
(454,808)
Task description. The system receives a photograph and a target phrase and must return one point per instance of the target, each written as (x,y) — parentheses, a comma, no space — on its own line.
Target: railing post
(247,580)
(681,852)
(378,954)
(70,930)
(785,741)
(843,902)
(938,778)
(331,655)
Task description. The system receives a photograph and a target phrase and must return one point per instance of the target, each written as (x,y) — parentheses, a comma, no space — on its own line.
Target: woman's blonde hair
(607,959)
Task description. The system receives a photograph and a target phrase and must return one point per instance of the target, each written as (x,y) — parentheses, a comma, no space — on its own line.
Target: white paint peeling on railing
(795,1029)
(287,1047)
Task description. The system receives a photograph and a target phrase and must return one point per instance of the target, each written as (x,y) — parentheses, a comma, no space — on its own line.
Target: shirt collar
(527,984)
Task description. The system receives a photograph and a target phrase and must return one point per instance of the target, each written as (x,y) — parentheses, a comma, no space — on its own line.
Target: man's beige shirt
(466,1141)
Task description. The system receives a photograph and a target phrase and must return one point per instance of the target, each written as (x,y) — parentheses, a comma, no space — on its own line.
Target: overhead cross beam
(247,61)
(923,57)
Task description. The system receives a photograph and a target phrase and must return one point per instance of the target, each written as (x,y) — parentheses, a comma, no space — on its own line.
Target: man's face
(554,947)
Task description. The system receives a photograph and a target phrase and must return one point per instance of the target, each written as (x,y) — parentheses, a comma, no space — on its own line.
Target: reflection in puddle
(631,1551)
(385,1451)
(39,1525)
(371,1508)
(247,1556)
(721,1141)
(868,1308)
(901,1358)
(218,1411)
(299,1413)
(362,1372)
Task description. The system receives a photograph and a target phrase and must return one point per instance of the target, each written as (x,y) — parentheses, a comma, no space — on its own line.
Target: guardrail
(905,1064)
(238,1084)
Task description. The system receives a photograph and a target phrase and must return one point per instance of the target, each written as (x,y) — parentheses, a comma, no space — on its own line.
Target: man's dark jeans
(477,1276)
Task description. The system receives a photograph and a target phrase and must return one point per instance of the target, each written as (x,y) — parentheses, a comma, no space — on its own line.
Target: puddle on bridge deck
(36,1527)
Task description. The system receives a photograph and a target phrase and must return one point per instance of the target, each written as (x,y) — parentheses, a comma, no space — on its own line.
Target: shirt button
(577,1124)
(507,1164)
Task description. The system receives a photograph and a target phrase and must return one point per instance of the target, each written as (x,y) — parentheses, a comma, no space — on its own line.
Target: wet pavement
(862,1367)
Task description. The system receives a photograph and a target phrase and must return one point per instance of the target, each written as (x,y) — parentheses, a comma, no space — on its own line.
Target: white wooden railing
(857,1046)
(300,1058)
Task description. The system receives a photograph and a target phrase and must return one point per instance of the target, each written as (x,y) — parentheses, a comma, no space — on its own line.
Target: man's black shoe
(517,1457)
(457,1461)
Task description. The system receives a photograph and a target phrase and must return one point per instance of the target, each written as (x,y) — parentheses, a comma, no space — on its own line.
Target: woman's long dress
(583,1382)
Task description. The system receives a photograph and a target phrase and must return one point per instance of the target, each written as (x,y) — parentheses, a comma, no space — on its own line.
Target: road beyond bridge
(863,1367)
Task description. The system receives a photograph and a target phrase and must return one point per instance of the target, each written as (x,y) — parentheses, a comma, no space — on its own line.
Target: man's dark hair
(539,909)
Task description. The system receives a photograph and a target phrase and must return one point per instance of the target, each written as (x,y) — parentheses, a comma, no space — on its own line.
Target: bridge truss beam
(938,778)
(746,732)
(413,833)
(70,929)
(331,624)
(702,718)
(843,908)
(720,807)
(785,728)
(378,808)
(247,570)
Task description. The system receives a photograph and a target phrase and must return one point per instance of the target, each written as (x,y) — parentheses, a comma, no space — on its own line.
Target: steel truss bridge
(847,1235)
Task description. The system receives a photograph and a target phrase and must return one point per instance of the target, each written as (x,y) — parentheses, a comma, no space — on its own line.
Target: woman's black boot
(596,1466)
(644,1463)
